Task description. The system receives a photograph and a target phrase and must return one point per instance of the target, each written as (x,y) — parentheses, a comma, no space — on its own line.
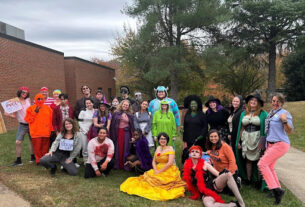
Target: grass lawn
(35,184)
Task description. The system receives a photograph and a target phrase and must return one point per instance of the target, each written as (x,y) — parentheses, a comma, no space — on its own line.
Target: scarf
(268,119)
(187,171)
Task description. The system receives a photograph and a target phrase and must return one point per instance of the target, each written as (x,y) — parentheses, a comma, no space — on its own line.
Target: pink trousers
(267,163)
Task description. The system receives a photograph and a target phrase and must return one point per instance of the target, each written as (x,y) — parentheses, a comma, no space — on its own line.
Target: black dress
(219,120)
(235,123)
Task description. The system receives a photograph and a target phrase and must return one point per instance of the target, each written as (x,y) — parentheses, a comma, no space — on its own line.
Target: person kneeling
(64,149)
(196,174)
(100,154)
(139,156)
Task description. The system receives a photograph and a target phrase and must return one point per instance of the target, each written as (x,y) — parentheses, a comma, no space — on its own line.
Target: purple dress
(128,131)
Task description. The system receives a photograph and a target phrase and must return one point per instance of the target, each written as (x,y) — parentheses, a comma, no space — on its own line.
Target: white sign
(12,105)
(66,144)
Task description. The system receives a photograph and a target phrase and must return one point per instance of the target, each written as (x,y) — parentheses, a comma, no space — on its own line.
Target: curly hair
(119,108)
(190,98)
(74,128)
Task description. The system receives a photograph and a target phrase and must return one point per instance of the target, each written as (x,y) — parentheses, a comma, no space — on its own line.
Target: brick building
(34,66)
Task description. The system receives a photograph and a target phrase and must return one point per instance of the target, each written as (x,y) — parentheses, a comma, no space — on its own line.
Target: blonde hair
(257,111)
(119,108)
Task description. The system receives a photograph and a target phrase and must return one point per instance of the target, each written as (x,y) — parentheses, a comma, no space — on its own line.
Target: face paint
(193,106)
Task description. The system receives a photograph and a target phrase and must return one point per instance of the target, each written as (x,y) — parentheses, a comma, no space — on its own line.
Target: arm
(77,147)
(149,125)
(173,124)
(108,124)
(176,113)
(95,122)
(55,143)
(109,155)
(230,156)
(154,125)
(168,164)
(91,155)
(12,115)
(135,121)
(287,122)
(30,115)
(210,168)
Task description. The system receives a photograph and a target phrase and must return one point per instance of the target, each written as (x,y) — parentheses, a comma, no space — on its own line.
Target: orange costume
(39,117)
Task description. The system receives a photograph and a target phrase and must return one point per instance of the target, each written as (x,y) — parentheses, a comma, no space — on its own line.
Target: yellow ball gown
(164,186)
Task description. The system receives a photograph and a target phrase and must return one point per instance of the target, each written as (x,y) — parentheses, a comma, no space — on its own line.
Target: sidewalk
(10,199)
(291,172)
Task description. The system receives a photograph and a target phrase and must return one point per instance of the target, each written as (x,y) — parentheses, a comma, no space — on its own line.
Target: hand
(174,138)
(157,172)
(283,117)
(49,153)
(104,166)
(98,173)
(37,110)
(133,140)
(68,160)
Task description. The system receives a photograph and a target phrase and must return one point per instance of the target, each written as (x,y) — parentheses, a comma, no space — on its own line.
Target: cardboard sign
(66,144)
(12,105)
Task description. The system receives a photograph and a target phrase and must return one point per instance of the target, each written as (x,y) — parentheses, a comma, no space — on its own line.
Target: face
(55,95)
(194,106)
(164,107)
(39,101)
(102,135)
(214,138)
(195,154)
(102,107)
(68,126)
(253,103)
(115,102)
(86,90)
(236,103)
(276,104)
(144,105)
(89,104)
(161,94)
(212,104)
(24,94)
(163,141)
(99,96)
(125,106)
(136,135)
(45,93)
(63,101)
(138,96)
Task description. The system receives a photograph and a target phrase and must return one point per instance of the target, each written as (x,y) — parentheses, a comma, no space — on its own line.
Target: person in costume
(139,157)
(124,90)
(39,117)
(121,129)
(195,125)
(278,126)
(250,129)
(80,104)
(138,100)
(45,92)
(164,121)
(143,120)
(233,120)
(64,149)
(217,117)
(23,95)
(56,102)
(200,184)
(99,97)
(161,94)
(85,120)
(161,183)
(114,104)
(101,151)
(222,156)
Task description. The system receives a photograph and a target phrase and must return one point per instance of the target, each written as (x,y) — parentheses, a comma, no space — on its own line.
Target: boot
(278,194)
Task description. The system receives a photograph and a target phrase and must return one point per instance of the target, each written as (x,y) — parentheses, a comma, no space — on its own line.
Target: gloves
(224,171)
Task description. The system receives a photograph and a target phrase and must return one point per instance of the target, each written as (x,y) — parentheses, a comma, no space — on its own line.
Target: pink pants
(267,163)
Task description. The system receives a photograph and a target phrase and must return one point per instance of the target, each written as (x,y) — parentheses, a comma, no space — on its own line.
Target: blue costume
(173,107)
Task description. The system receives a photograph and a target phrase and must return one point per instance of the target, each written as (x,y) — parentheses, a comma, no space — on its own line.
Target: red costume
(199,175)
(39,117)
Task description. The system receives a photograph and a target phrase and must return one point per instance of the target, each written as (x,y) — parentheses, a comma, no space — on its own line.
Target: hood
(39,100)
(164,102)
(161,88)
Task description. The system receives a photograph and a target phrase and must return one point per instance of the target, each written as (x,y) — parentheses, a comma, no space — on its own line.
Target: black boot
(278,194)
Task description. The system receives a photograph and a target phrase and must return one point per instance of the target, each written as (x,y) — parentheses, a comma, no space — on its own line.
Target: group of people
(242,144)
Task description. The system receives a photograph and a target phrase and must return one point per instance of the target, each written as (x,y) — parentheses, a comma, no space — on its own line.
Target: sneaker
(16,163)
(53,170)
(77,165)
(32,160)
(61,167)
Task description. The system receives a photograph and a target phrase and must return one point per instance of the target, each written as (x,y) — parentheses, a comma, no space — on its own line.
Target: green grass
(35,184)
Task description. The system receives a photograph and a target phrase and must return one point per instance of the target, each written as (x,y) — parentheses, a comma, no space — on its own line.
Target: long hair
(209,144)
(189,99)
(119,108)
(256,112)
(103,113)
(19,94)
(74,127)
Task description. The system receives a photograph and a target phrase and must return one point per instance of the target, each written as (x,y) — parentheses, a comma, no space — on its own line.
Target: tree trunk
(174,85)
(272,71)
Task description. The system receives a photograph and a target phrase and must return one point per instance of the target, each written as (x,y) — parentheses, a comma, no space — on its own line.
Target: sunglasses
(24,92)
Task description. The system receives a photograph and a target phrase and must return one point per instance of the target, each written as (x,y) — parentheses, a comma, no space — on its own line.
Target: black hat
(104,103)
(257,96)
(124,89)
(211,98)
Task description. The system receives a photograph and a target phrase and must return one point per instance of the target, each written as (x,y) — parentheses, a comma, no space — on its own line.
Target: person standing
(80,104)
(278,126)
(138,100)
(23,95)
(45,92)
(124,90)
(56,102)
(121,130)
(39,118)
(99,97)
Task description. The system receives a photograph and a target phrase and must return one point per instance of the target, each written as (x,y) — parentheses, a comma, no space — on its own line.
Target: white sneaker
(77,165)
(61,167)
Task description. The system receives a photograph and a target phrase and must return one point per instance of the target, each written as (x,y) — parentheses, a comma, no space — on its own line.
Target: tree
(294,70)
(173,25)
(263,26)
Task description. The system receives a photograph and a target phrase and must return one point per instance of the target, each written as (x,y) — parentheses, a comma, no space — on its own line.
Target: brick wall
(34,66)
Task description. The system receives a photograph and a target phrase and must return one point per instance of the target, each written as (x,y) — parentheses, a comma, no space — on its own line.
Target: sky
(82,28)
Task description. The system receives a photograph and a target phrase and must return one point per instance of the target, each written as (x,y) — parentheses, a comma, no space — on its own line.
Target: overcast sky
(82,28)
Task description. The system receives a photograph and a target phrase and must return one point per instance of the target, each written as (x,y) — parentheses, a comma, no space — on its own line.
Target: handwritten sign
(12,105)
(66,144)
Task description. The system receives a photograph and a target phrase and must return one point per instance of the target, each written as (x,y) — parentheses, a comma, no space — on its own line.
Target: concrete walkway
(10,199)
(291,172)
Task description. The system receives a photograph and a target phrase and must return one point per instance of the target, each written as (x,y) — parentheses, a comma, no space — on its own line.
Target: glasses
(24,92)
(162,138)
